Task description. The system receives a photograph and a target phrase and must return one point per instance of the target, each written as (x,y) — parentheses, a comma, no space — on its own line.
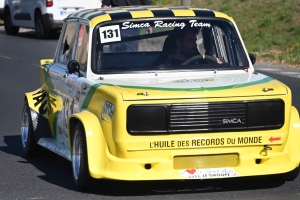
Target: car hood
(194,85)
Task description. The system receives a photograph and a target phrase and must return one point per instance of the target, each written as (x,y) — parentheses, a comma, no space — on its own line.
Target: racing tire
(80,169)
(10,29)
(40,30)
(29,143)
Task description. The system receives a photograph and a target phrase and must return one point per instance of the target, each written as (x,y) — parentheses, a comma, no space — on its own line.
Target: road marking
(291,73)
(267,69)
(294,74)
(6,57)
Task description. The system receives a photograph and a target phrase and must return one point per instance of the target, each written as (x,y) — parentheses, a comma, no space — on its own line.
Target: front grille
(207,116)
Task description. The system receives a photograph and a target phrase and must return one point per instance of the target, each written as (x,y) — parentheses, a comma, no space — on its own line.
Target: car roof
(95,16)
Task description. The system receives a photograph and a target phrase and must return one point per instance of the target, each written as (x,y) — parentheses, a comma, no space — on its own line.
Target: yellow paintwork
(205,161)
(140,14)
(96,144)
(126,155)
(115,154)
(223,15)
(254,90)
(185,13)
(46,61)
(96,20)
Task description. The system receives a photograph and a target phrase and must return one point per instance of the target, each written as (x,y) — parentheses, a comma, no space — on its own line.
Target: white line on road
(6,57)
(291,73)
(267,69)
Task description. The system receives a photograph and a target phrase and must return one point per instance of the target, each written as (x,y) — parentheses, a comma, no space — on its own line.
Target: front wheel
(29,143)
(40,30)
(81,175)
(10,29)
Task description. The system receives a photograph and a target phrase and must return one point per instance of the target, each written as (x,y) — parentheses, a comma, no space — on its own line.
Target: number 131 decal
(110,34)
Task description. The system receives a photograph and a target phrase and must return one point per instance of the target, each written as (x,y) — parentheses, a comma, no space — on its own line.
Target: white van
(45,16)
(1,8)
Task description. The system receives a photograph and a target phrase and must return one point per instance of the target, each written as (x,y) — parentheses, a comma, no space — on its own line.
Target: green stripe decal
(89,96)
(265,80)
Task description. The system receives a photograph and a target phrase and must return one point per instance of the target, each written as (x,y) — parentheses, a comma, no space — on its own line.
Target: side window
(67,46)
(220,42)
(82,47)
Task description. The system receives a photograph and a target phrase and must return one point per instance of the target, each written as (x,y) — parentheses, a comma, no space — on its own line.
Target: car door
(73,83)
(14,9)
(61,80)
(26,8)
(21,12)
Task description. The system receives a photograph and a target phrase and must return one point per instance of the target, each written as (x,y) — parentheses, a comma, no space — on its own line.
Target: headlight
(146,119)
(265,114)
(107,111)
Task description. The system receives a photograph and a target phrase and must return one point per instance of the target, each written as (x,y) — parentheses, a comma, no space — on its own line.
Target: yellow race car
(159,93)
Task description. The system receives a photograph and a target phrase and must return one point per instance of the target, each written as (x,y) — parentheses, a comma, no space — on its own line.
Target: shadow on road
(57,171)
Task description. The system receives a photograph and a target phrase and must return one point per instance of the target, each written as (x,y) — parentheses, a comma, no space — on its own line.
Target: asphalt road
(50,178)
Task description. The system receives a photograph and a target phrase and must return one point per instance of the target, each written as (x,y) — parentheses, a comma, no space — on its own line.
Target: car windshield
(167,44)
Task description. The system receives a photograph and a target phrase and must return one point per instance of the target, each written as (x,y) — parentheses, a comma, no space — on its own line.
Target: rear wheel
(29,143)
(10,29)
(40,30)
(81,175)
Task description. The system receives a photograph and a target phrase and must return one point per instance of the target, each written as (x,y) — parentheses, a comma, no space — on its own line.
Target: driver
(186,47)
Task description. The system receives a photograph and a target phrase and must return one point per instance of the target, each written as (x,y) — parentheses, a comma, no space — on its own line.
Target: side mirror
(73,66)
(252,58)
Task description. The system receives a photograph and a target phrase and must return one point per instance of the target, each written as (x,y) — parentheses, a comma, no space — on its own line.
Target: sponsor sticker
(110,34)
(208,173)
(204,142)
(81,33)
(164,24)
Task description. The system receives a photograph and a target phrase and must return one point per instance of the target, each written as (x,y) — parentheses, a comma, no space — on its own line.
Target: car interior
(150,58)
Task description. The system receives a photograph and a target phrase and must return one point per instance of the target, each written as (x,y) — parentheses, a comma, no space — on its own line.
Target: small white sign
(209,173)
(110,34)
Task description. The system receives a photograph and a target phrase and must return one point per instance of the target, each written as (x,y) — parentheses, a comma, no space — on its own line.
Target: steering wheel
(199,57)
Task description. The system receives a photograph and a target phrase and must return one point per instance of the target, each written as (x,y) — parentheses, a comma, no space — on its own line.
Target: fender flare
(96,143)
(37,101)
(293,139)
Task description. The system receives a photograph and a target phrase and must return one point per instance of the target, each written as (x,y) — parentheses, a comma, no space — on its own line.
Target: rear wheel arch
(37,12)
(6,9)
(294,134)
(292,146)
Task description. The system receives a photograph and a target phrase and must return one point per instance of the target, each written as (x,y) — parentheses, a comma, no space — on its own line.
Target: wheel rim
(25,127)
(76,155)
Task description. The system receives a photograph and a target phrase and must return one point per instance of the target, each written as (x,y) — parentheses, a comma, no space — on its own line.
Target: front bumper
(253,161)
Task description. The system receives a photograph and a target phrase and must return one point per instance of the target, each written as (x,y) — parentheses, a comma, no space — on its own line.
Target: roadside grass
(270,28)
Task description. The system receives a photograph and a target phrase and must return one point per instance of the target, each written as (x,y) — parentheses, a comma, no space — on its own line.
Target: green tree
(161,2)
